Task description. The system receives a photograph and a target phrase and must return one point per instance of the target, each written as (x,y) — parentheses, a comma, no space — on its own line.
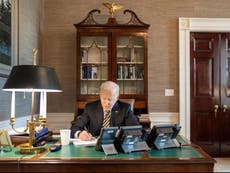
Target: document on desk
(79,142)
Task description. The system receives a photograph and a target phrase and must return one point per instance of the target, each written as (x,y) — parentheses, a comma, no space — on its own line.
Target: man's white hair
(110,86)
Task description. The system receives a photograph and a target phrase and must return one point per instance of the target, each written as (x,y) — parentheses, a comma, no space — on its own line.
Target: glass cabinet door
(93,64)
(130,64)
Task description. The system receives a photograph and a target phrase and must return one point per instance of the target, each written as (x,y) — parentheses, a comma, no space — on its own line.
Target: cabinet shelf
(93,80)
(136,79)
(125,46)
(134,63)
(96,63)
(88,46)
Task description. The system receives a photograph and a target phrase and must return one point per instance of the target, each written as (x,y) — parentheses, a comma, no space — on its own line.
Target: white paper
(79,142)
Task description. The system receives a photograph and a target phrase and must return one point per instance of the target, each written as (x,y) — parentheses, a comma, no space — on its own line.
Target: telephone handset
(176,130)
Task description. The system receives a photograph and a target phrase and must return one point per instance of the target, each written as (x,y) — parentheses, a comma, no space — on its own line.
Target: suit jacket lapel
(100,112)
(114,112)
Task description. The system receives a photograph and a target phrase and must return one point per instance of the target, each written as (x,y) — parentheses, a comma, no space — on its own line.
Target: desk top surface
(78,152)
(73,158)
(71,151)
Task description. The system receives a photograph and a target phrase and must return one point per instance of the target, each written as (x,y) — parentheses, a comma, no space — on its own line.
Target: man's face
(108,99)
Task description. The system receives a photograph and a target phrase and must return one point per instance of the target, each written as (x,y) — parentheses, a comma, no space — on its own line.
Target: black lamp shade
(32,78)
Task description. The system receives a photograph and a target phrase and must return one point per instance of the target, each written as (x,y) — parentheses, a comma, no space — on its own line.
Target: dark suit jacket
(92,117)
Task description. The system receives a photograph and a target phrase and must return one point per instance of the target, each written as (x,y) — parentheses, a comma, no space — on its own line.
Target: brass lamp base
(27,149)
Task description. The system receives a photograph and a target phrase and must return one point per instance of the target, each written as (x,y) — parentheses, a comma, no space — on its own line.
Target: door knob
(216,108)
(224,108)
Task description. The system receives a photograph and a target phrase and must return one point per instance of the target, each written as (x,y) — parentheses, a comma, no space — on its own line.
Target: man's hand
(85,136)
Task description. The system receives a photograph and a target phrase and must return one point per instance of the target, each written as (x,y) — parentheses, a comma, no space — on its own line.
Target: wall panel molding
(158,118)
(55,122)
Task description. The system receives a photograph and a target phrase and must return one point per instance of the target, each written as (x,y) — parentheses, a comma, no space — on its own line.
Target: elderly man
(106,112)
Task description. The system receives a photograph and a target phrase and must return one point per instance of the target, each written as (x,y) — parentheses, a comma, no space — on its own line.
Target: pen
(86,129)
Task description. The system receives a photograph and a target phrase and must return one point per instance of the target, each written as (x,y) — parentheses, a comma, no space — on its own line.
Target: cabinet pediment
(111,21)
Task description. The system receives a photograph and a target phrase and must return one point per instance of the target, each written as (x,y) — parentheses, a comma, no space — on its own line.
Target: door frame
(187,25)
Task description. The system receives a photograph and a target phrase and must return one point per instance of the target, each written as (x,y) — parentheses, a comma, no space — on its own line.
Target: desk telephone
(133,138)
(164,136)
(126,139)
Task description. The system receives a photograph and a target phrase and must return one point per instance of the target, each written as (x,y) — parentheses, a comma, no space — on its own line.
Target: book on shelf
(83,72)
(119,71)
(89,68)
(86,72)
(129,72)
(124,72)
(140,74)
(94,72)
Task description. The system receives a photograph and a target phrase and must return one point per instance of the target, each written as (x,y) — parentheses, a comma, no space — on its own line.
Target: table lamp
(31,78)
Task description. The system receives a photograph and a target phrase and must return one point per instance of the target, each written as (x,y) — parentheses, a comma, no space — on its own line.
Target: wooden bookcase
(112,51)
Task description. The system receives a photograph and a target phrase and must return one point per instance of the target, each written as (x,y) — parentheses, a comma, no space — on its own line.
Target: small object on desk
(5,140)
(55,147)
(41,132)
(40,143)
(65,136)
(144,118)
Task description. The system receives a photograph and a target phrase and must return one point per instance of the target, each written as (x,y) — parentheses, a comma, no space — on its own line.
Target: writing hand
(85,136)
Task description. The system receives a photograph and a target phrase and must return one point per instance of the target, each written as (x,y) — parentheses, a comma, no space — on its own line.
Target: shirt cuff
(77,133)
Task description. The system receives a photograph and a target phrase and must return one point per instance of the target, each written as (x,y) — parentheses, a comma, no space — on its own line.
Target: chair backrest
(129,101)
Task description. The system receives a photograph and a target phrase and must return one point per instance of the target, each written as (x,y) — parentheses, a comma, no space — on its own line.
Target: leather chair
(130,101)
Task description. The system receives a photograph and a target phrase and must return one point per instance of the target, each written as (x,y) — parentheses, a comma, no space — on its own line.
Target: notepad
(79,142)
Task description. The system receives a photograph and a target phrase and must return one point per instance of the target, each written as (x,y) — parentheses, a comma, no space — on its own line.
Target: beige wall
(29,29)
(59,43)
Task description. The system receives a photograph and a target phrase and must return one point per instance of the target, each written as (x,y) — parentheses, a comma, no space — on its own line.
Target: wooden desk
(86,159)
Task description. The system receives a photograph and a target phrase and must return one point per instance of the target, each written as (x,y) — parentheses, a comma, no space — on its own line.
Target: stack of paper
(79,142)
(144,118)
